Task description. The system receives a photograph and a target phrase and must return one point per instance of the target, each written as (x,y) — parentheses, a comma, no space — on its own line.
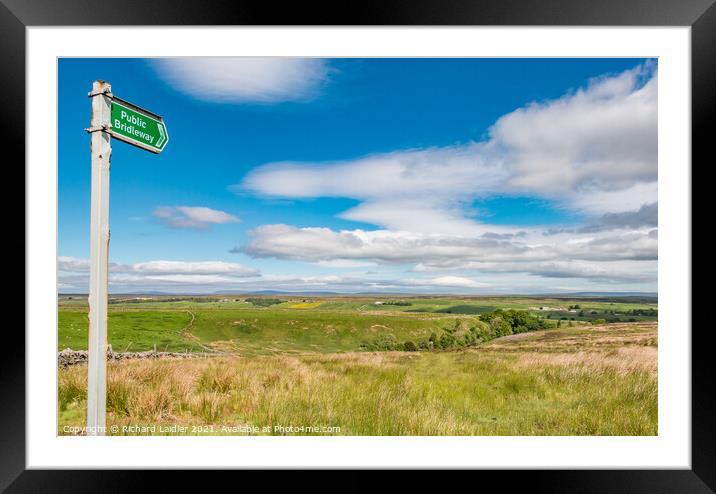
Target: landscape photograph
(362,246)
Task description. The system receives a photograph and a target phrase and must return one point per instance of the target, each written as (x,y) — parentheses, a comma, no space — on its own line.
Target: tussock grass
(582,382)
(72,388)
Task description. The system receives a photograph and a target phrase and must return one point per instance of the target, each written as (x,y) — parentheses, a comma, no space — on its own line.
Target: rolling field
(246,331)
(302,365)
(591,380)
(300,325)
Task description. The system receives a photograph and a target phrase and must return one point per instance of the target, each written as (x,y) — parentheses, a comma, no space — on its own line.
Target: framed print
(453,236)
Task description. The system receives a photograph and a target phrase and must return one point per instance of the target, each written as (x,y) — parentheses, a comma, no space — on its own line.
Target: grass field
(299,365)
(300,325)
(587,380)
(247,331)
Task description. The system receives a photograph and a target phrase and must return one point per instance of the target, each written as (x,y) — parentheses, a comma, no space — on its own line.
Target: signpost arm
(101,149)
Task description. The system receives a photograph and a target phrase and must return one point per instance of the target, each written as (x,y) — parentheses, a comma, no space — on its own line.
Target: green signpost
(137,126)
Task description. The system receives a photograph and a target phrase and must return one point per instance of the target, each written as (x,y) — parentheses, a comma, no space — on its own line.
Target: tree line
(488,326)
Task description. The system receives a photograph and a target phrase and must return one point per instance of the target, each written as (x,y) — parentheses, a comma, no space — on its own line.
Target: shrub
(499,327)
(386,342)
(410,346)
(263,302)
(488,326)
(518,321)
(469,338)
(447,340)
(434,341)
(425,345)
(382,343)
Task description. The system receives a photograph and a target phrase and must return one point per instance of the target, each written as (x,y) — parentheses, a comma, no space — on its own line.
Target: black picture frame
(16,15)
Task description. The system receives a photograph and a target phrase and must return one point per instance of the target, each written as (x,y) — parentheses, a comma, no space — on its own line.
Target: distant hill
(629,297)
(611,294)
(276,292)
(635,297)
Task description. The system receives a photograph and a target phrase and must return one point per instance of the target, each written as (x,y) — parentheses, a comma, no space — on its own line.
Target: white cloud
(243,79)
(199,267)
(324,244)
(600,138)
(72,264)
(171,280)
(344,264)
(291,280)
(197,217)
(612,272)
(493,277)
(404,174)
(593,150)
(419,216)
(625,200)
(419,190)
(608,256)
(603,271)
(448,281)
(163,268)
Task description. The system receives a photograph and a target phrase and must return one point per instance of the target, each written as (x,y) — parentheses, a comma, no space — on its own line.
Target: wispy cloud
(156,275)
(192,217)
(344,263)
(446,281)
(447,251)
(647,215)
(593,150)
(216,276)
(244,79)
(610,272)
(73,264)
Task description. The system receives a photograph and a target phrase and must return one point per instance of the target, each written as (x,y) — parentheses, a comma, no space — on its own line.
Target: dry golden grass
(596,381)
(604,337)
(622,360)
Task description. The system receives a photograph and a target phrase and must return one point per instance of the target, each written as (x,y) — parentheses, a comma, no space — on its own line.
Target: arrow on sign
(162,136)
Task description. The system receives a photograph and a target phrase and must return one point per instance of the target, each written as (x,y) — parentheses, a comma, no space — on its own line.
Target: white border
(670,449)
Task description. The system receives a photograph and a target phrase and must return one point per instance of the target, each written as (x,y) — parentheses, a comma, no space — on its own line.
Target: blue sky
(380,175)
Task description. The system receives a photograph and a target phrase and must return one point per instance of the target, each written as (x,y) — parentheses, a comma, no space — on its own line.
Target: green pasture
(303,324)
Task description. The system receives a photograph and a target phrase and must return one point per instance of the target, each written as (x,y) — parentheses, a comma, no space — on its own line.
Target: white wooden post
(101,149)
